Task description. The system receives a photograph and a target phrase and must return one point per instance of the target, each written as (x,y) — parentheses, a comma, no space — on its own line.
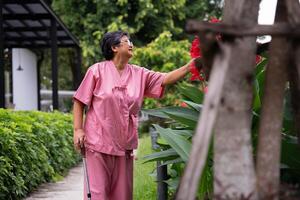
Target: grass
(144,185)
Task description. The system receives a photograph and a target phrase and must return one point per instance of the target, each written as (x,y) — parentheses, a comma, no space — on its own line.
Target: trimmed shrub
(35,147)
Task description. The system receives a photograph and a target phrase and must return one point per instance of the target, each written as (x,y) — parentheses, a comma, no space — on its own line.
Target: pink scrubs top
(114,101)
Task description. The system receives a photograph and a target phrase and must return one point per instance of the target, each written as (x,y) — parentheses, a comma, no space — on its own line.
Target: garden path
(70,188)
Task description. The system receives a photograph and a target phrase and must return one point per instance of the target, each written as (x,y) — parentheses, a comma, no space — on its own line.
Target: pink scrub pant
(110,177)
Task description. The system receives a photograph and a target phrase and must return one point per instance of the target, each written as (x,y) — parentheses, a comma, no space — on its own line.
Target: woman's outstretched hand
(177,74)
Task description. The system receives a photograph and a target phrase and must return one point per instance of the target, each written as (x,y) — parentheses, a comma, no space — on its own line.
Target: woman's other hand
(78,139)
(79,134)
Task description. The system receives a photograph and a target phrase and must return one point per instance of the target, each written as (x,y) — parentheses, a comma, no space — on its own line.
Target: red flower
(183,104)
(214,20)
(195,73)
(195,50)
(258,59)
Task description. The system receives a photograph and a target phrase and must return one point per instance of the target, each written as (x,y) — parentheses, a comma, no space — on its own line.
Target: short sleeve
(85,91)
(154,80)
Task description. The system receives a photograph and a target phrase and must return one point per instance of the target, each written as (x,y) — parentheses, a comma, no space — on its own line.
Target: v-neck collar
(121,75)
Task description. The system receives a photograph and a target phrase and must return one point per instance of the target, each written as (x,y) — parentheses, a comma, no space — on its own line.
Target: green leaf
(185,133)
(193,105)
(173,183)
(290,153)
(261,79)
(257,100)
(185,116)
(288,110)
(174,161)
(158,112)
(161,155)
(261,66)
(179,143)
(192,93)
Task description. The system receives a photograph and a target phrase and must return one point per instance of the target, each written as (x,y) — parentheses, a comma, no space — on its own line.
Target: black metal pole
(162,171)
(54,64)
(38,74)
(78,75)
(2,71)
(162,187)
(11,87)
(38,87)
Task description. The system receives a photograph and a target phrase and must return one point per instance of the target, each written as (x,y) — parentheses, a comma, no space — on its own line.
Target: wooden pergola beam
(26,16)
(277,29)
(31,29)
(33,38)
(37,46)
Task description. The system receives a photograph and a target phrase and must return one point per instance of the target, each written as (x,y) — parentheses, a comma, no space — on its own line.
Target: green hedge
(34,147)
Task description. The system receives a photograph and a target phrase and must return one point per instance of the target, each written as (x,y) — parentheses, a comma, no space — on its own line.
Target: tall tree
(144,19)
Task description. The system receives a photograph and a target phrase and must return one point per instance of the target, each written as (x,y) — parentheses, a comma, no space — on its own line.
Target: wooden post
(54,64)
(234,172)
(238,56)
(2,81)
(269,139)
(201,140)
(293,8)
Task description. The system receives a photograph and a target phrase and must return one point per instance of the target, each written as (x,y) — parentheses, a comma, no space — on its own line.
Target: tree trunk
(235,53)
(293,8)
(269,144)
(189,183)
(234,175)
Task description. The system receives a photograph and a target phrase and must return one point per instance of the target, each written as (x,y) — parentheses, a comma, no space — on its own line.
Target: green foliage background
(34,147)
(163,54)
(145,20)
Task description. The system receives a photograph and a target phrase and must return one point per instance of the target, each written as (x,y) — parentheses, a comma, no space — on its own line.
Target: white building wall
(24,81)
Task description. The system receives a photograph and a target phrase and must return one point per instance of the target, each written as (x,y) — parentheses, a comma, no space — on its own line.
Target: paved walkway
(70,188)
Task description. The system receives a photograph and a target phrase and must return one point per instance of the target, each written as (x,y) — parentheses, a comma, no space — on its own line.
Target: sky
(267,11)
(266,16)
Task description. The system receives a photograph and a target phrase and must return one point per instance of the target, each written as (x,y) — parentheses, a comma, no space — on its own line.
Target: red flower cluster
(214,20)
(195,52)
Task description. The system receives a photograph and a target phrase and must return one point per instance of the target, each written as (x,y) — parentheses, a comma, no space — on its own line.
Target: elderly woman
(114,90)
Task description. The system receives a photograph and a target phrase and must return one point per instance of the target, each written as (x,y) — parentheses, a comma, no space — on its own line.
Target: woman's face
(125,48)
